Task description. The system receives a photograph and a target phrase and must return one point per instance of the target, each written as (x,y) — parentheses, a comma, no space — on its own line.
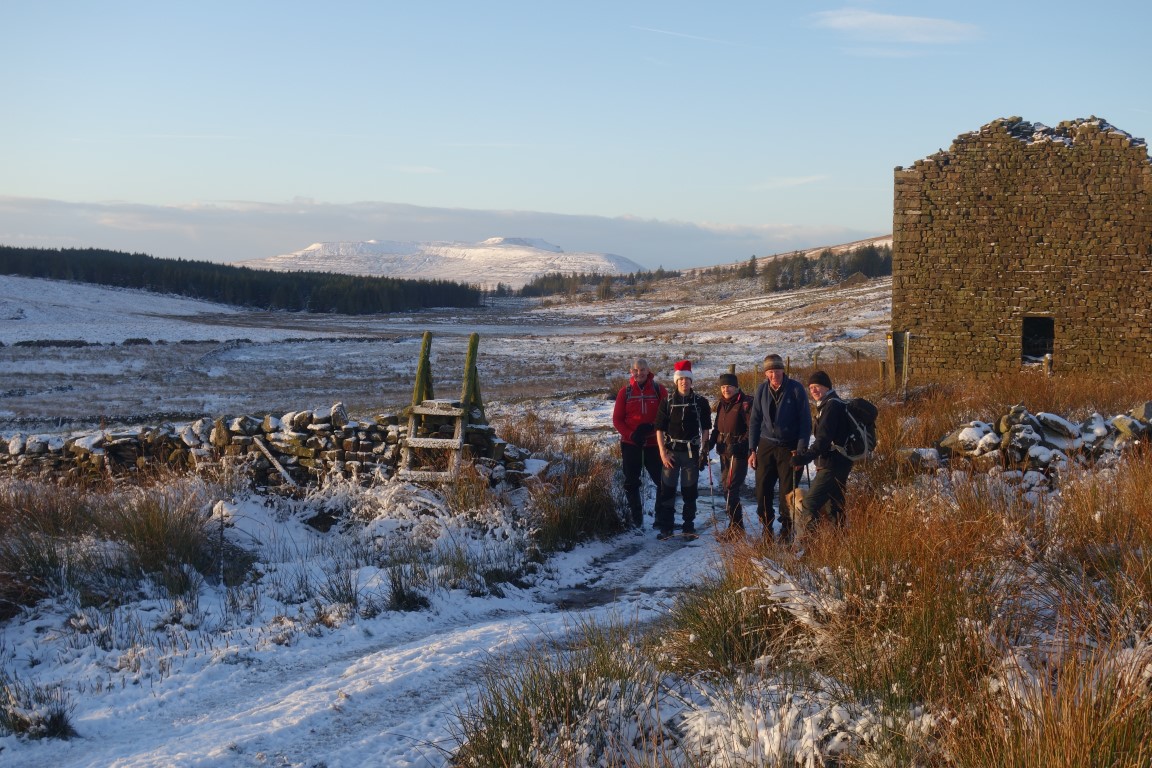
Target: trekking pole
(712,501)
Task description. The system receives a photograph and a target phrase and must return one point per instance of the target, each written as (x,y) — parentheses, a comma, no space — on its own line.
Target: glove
(703,460)
(801,459)
(641,434)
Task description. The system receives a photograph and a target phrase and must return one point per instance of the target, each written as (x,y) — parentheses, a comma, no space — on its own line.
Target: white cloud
(886,28)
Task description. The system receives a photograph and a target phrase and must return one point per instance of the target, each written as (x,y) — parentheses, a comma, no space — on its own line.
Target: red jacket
(636,404)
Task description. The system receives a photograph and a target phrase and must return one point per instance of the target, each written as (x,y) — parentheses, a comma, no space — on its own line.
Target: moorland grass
(1020,625)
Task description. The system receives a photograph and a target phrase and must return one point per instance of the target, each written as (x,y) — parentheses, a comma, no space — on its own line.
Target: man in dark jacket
(634,417)
(832,466)
(730,439)
(780,424)
(683,422)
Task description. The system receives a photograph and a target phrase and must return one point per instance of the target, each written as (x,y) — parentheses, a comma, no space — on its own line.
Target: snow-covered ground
(379,691)
(233,684)
(209,360)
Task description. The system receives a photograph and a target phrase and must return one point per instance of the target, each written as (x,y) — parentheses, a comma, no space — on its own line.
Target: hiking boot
(689,531)
(664,535)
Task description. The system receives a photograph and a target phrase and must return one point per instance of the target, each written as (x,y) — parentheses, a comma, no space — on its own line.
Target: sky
(672,133)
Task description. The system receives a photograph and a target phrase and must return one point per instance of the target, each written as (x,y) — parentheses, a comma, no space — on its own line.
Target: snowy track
(367,696)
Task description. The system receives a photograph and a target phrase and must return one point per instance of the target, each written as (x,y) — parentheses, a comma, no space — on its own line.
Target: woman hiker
(730,439)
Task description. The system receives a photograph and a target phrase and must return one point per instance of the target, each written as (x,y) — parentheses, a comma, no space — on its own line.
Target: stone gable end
(1022,239)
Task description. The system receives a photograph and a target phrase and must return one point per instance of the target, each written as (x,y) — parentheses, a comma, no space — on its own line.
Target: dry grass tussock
(93,543)
(1022,632)
(576,498)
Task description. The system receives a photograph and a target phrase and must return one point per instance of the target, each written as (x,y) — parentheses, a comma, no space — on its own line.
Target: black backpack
(861,440)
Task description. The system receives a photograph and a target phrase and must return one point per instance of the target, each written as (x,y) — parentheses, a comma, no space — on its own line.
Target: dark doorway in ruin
(1036,338)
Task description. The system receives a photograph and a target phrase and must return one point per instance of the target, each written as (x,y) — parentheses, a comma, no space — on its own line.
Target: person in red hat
(683,422)
(633,416)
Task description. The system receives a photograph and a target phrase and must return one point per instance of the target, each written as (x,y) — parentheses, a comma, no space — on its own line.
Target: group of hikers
(671,435)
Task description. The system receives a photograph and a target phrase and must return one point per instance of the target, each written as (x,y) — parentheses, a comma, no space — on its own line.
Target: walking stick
(712,501)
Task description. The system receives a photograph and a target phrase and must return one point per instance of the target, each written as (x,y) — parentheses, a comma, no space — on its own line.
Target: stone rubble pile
(1036,447)
(299,447)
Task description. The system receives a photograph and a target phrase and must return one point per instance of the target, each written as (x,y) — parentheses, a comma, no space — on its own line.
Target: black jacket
(832,426)
(684,418)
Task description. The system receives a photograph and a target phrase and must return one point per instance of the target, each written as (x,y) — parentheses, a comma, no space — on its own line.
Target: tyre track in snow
(394,699)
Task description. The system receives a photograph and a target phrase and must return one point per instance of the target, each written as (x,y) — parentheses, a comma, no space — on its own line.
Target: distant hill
(880,241)
(513,261)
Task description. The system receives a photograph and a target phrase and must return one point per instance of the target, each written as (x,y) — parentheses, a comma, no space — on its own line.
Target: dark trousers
(774,464)
(733,471)
(635,459)
(827,487)
(686,470)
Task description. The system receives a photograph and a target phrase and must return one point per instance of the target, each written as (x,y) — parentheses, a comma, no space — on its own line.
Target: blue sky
(673,133)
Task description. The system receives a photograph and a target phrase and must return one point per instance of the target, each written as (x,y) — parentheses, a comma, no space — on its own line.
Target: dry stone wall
(1019,221)
(296,448)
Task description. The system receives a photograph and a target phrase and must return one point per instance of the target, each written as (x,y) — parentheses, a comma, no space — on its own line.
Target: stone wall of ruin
(1020,220)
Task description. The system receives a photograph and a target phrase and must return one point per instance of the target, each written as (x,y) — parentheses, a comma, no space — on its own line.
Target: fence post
(470,391)
(422,389)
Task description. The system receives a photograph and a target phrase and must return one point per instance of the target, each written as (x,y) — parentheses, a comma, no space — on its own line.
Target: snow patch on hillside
(513,261)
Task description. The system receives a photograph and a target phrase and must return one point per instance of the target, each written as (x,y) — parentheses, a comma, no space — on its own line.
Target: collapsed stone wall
(1018,220)
(301,448)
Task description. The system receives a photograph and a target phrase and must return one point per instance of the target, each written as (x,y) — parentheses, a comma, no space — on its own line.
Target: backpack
(861,440)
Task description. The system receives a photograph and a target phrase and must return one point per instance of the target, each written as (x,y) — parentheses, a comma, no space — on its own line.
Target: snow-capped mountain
(513,261)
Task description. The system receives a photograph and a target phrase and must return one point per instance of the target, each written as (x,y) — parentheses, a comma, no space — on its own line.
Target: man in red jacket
(633,417)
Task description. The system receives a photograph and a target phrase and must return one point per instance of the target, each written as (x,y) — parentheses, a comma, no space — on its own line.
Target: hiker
(634,416)
(683,422)
(832,466)
(779,425)
(730,439)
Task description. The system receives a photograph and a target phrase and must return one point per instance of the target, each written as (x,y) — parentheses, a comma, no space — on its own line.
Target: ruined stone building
(1022,241)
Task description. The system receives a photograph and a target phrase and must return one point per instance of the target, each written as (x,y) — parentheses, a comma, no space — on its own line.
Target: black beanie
(821,378)
(729,379)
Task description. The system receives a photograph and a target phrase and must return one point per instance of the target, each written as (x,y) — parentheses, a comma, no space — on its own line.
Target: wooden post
(893,364)
(904,358)
(422,389)
(470,391)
